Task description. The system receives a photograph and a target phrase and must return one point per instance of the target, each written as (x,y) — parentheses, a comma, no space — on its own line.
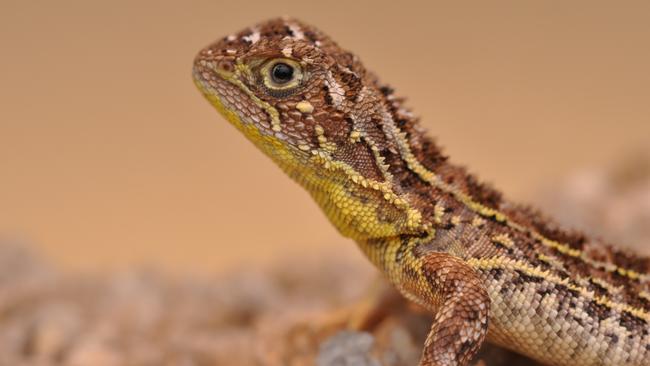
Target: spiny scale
(484,266)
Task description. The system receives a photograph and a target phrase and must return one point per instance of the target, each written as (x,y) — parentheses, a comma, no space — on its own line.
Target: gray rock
(347,348)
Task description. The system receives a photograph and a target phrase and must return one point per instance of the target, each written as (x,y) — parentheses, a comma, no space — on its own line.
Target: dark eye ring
(282,73)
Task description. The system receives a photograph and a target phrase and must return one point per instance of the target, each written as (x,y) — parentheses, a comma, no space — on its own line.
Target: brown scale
(597,251)
(360,157)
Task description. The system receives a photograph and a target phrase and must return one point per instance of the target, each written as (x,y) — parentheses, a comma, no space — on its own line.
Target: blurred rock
(347,349)
(94,352)
(614,204)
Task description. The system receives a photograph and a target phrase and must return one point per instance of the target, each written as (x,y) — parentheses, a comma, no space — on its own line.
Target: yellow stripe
(507,263)
(434,180)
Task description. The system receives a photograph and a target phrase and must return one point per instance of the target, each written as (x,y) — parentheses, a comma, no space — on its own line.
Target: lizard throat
(359,207)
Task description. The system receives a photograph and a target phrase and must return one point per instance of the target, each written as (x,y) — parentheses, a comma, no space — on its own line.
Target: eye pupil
(282,73)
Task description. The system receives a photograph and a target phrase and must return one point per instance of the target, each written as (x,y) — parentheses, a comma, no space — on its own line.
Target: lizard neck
(360,208)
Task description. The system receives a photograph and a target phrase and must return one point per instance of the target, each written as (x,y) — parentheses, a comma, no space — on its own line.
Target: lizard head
(312,107)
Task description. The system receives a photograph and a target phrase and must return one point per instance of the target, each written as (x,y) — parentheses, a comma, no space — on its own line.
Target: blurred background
(110,158)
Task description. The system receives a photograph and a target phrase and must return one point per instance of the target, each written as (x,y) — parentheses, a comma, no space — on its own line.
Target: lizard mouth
(221,89)
(256,119)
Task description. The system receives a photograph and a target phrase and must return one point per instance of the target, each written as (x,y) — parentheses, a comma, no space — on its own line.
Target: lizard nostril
(226,65)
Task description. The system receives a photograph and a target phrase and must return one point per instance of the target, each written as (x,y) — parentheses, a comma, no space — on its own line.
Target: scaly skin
(484,266)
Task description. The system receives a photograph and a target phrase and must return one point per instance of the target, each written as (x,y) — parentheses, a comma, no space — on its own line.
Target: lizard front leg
(456,294)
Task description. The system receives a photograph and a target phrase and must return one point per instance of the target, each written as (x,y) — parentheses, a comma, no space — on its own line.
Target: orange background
(109,157)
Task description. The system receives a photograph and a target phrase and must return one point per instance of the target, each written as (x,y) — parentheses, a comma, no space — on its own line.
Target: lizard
(487,268)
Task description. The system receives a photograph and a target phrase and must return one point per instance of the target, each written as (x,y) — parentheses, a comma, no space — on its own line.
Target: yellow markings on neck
(355,136)
(367,211)
(504,239)
(322,140)
(379,160)
(438,212)
(511,264)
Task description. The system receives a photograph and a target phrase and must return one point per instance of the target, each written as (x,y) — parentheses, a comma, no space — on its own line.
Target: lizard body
(486,267)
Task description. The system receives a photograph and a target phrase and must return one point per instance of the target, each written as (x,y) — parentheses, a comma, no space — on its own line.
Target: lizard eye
(281,73)
(282,76)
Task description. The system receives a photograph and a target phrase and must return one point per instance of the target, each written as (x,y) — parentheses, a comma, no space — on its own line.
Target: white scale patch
(253,37)
(336,91)
(287,52)
(297,32)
